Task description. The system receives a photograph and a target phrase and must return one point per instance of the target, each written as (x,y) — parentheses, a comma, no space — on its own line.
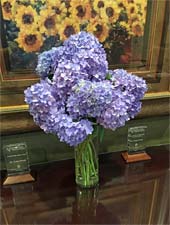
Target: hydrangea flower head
(48,61)
(40,100)
(89,99)
(84,48)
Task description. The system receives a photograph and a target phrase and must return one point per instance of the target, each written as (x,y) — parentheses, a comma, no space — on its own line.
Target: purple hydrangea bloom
(73,133)
(66,76)
(128,83)
(40,101)
(92,63)
(84,48)
(128,90)
(83,58)
(132,88)
(83,40)
(89,99)
(115,115)
(48,61)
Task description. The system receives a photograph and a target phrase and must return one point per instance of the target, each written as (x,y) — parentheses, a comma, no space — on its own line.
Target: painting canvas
(33,26)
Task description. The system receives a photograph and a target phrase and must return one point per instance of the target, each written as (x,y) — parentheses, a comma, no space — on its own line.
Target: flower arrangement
(35,26)
(77,91)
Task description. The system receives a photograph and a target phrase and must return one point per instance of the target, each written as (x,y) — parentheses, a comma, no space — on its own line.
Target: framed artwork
(128,30)
(31,27)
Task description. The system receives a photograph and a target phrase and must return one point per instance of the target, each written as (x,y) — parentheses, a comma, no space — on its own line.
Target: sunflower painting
(33,26)
(80,10)
(7,9)
(26,17)
(99,28)
(48,22)
(29,41)
(68,27)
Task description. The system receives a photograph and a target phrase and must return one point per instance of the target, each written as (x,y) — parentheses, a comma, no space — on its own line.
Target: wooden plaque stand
(21,178)
(129,158)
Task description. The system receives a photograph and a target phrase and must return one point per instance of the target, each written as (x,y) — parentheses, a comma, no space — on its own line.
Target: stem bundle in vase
(86,163)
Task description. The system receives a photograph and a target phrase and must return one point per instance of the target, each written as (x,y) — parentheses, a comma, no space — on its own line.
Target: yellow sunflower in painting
(137,29)
(58,7)
(98,5)
(110,12)
(48,22)
(94,13)
(121,4)
(131,9)
(29,41)
(7,9)
(80,9)
(68,27)
(26,17)
(99,29)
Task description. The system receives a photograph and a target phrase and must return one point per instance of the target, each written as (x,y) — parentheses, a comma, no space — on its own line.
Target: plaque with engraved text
(136,139)
(17,163)
(16,158)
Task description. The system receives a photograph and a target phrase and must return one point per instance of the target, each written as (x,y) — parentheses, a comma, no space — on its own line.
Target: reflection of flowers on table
(34,26)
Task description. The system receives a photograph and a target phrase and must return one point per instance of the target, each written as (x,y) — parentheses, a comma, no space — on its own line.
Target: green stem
(80,161)
(91,159)
(86,163)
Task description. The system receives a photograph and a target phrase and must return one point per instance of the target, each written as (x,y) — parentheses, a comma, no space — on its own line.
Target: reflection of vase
(84,208)
(86,163)
(88,210)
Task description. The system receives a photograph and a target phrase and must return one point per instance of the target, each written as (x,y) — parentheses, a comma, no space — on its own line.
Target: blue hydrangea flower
(69,131)
(83,58)
(84,48)
(48,61)
(89,99)
(115,115)
(40,101)
(83,40)
(128,82)
(73,133)
(66,76)
(132,88)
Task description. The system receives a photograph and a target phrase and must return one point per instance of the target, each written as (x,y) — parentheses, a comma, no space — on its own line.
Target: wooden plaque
(129,158)
(17,163)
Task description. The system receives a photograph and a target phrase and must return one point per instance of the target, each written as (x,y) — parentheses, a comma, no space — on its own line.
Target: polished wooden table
(136,193)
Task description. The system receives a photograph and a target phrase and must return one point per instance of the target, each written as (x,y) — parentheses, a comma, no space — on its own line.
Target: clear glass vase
(86,164)
(85,206)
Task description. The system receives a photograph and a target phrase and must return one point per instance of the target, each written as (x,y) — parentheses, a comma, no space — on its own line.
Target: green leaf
(50,76)
(108,76)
